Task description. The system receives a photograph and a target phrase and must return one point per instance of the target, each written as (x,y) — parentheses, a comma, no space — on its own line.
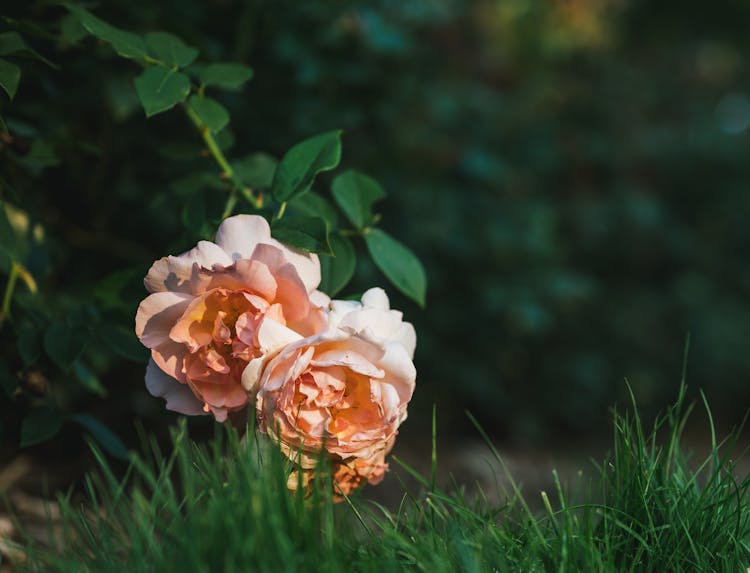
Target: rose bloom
(347,475)
(344,391)
(220,307)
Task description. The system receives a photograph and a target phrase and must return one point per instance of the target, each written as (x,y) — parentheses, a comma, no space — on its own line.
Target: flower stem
(226,169)
(9,288)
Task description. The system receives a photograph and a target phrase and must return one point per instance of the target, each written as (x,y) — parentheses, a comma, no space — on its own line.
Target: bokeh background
(573,174)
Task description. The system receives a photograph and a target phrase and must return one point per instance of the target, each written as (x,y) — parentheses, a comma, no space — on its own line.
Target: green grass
(223,506)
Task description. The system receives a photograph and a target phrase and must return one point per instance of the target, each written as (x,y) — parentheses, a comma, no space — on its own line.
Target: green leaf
(160,89)
(64,343)
(299,166)
(8,382)
(197,181)
(42,154)
(29,343)
(11,242)
(10,75)
(170,49)
(210,112)
(225,75)
(107,439)
(194,211)
(313,205)
(336,271)
(71,29)
(123,342)
(398,263)
(356,193)
(256,170)
(225,139)
(126,44)
(40,425)
(11,42)
(6,261)
(118,288)
(88,379)
(306,233)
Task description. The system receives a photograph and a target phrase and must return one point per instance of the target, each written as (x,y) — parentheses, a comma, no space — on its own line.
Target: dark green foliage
(398,263)
(126,44)
(356,193)
(571,175)
(41,424)
(337,268)
(306,233)
(160,89)
(225,75)
(300,165)
(103,436)
(210,112)
(10,75)
(64,343)
(169,49)
(256,170)
(93,195)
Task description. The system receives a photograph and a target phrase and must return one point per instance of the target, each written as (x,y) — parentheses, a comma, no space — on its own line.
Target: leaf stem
(226,169)
(281,211)
(230,204)
(9,288)
(352,232)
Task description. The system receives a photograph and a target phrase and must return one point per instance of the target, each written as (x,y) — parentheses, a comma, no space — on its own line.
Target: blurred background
(573,174)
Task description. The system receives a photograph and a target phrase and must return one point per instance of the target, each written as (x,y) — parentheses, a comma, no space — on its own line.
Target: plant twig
(9,288)
(227,171)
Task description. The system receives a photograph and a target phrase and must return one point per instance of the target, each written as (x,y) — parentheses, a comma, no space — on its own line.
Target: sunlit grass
(224,506)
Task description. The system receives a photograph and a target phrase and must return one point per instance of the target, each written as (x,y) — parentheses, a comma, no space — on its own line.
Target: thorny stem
(226,168)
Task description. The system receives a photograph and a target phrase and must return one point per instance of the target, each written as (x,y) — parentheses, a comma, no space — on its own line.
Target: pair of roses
(239,323)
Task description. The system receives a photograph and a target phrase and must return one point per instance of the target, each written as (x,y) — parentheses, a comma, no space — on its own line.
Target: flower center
(220,331)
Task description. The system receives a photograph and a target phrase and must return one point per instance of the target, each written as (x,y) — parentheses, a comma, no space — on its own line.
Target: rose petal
(400,368)
(407,336)
(351,360)
(373,319)
(381,323)
(157,314)
(239,235)
(376,298)
(272,336)
(244,274)
(219,413)
(174,273)
(191,329)
(252,372)
(307,264)
(388,396)
(339,309)
(179,397)
(246,327)
(170,357)
(291,292)
(230,395)
(319,298)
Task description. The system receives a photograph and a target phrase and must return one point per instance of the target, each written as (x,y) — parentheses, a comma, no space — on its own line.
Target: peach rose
(347,475)
(344,390)
(221,306)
